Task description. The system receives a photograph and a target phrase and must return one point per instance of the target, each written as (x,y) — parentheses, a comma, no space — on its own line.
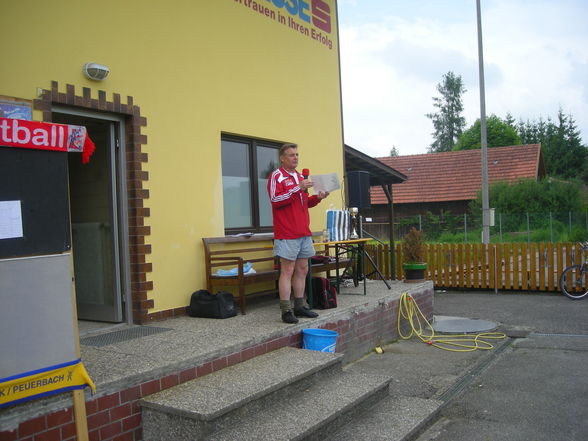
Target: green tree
(509,119)
(394,151)
(543,196)
(498,133)
(563,152)
(447,121)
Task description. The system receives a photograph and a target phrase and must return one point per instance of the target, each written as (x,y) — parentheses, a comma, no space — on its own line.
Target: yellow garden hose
(410,311)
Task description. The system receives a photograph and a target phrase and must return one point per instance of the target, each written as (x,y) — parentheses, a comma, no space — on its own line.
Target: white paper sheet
(10,219)
(328,182)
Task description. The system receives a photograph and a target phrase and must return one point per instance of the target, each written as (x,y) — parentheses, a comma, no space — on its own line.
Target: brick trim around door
(139,233)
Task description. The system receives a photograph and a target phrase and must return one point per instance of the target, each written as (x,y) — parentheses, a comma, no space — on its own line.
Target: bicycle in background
(573,281)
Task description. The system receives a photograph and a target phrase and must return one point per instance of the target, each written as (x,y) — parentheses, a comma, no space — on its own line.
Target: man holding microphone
(288,193)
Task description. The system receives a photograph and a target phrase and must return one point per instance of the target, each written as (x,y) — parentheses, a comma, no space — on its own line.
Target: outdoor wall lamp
(95,71)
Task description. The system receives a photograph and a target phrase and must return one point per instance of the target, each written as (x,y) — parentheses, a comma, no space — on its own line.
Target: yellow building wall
(196,68)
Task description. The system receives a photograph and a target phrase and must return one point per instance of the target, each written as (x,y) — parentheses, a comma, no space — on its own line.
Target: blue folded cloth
(234,271)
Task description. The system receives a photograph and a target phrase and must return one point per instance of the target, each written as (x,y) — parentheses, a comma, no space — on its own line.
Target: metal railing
(507,228)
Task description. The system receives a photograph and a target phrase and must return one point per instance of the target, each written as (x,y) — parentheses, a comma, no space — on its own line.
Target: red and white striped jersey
(290,205)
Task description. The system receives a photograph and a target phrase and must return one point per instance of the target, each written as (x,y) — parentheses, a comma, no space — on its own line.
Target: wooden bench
(228,252)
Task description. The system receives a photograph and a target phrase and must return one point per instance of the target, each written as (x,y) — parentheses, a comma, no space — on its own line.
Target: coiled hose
(409,310)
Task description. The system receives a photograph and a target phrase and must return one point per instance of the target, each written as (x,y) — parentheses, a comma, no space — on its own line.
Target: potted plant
(413,256)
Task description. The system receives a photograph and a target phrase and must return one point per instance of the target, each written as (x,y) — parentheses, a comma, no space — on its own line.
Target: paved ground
(533,387)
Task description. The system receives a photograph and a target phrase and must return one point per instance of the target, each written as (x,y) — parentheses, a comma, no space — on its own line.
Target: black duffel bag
(205,304)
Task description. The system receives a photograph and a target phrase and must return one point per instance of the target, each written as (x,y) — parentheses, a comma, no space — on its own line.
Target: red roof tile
(457,176)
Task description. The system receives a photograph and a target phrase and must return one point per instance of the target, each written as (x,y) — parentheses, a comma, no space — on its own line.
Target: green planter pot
(414,272)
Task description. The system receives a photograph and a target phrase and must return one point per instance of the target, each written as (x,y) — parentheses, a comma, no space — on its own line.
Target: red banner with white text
(46,136)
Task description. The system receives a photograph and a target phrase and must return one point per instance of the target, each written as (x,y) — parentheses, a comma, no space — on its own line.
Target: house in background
(448,181)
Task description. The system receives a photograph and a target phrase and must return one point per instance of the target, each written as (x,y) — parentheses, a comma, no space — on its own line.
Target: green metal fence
(467,228)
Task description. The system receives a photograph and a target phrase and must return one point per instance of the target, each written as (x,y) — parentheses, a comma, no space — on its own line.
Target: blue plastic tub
(322,340)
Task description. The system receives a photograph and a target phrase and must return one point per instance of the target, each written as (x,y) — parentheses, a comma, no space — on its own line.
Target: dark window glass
(236,184)
(246,167)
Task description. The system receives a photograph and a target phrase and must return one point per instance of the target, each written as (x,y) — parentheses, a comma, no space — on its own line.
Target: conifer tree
(563,152)
(447,121)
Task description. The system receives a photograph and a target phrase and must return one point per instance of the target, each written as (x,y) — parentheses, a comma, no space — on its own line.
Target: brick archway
(136,179)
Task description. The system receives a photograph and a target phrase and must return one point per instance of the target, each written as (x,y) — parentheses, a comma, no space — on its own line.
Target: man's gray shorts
(292,249)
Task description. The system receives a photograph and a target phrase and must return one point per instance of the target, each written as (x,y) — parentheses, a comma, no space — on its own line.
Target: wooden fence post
(446,265)
(491,266)
(439,257)
(453,265)
(541,269)
(516,282)
(468,266)
(550,267)
(532,267)
(560,266)
(499,267)
(507,266)
(459,267)
(475,252)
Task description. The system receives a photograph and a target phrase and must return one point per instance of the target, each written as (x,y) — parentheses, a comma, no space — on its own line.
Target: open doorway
(97,219)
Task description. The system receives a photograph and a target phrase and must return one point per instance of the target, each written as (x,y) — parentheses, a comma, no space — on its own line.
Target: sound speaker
(358,187)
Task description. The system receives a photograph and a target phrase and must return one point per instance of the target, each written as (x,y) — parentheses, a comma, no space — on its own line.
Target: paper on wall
(328,182)
(10,220)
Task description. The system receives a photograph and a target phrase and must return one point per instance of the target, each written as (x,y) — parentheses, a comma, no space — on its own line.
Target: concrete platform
(184,348)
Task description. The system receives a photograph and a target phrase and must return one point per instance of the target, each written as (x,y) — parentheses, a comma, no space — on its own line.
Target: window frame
(252,144)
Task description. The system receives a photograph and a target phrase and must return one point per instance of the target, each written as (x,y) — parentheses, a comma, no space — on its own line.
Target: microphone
(305,174)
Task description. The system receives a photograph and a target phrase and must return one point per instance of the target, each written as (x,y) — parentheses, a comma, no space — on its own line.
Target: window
(247,165)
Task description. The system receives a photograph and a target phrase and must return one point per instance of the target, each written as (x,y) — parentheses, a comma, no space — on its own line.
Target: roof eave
(380,173)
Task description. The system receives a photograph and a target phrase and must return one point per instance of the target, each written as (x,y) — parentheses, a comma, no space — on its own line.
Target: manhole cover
(459,325)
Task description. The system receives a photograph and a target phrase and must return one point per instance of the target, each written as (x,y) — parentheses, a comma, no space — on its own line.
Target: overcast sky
(395,52)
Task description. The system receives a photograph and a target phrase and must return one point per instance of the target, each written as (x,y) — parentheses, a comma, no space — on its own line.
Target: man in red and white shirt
(288,193)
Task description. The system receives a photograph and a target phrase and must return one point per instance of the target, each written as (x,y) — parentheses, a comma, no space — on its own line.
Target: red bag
(324,293)
(320,259)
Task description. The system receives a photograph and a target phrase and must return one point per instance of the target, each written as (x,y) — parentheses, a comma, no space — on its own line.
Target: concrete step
(195,409)
(310,414)
(391,419)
